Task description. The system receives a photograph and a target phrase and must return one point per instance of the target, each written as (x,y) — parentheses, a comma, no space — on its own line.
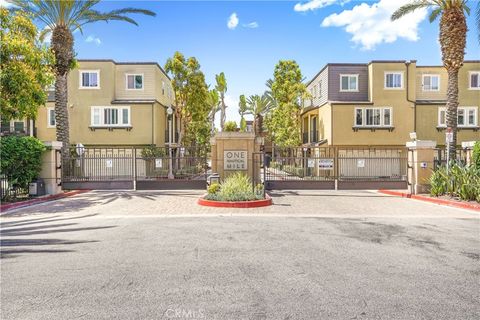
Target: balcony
(174,137)
(17,129)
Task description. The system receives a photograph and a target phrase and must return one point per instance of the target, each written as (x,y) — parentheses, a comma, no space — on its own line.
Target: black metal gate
(149,168)
(336,168)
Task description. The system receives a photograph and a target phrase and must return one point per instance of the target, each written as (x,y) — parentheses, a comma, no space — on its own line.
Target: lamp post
(170,162)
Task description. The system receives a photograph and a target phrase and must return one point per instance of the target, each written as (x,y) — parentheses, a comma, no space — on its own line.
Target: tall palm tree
(62,18)
(213,103)
(221,87)
(258,106)
(453,39)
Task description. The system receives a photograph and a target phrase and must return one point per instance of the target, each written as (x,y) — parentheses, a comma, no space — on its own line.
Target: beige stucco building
(113,103)
(382,102)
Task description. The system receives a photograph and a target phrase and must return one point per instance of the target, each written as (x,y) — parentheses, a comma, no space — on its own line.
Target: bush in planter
(21,160)
(476,155)
(230,126)
(237,187)
(461,181)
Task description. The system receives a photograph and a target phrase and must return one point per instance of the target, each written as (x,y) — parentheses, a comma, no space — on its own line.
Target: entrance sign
(235,160)
(325,164)
(361,163)
(158,163)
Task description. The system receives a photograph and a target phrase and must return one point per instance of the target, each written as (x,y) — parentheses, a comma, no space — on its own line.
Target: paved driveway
(315,255)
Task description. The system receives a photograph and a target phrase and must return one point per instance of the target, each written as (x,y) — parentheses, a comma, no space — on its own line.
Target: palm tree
(213,103)
(221,87)
(258,106)
(62,18)
(242,110)
(453,38)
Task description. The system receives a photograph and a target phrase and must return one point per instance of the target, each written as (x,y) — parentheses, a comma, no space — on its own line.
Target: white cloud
(251,25)
(316,4)
(232,21)
(5,4)
(371,25)
(92,39)
(48,37)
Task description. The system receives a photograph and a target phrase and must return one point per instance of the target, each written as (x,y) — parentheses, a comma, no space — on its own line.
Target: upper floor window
(373,117)
(315,91)
(466,117)
(393,80)
(431,82)
(320,89)
(163,88)
(474,80)
(134,81)
(51,118)
(349,82)
(110,116)
(89,79)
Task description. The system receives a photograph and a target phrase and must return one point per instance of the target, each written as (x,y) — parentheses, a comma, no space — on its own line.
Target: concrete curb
(236,204)
(23,204)
(450,203)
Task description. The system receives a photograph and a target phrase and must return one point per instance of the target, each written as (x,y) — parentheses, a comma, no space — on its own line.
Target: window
(163,88)
(320,89)
(431,82)
(90,79)
(134,81)
(373,117)
(349,82)
(474,80)
(466,117)
(110,116)
(393,80)
(51,118)
(315,91)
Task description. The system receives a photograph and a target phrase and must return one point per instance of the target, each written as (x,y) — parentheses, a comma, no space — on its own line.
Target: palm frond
(434,15)
(411,7)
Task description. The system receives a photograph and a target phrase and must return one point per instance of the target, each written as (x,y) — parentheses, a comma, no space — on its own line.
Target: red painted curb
(236,204)
(21,204)
(451,203)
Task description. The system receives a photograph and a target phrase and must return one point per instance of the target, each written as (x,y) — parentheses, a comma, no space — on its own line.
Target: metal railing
(440,157)
(11,192)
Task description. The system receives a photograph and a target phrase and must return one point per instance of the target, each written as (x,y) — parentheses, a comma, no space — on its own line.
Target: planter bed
(236,204)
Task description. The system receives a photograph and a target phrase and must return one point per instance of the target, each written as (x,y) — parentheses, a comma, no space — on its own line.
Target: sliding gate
(336,168)
(149,168)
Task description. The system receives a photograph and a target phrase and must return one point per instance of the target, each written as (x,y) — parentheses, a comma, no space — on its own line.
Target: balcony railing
(174,137)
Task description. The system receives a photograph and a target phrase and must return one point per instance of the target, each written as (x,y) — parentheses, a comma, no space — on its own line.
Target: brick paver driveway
(313,255)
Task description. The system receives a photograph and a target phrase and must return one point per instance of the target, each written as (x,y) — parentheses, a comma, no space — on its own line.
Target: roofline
(127,63)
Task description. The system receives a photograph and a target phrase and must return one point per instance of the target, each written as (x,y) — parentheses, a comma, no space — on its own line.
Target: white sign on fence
(109,163)
(311,163)
(235,160)
(361,163)
(325,164)
(449,137)
(158,163)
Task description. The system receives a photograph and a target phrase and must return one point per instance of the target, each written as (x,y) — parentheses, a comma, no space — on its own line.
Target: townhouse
(380,103)
(113,104)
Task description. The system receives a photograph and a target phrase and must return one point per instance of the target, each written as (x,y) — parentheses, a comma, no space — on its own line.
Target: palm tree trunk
(223,115)
(452,109)
(62,46)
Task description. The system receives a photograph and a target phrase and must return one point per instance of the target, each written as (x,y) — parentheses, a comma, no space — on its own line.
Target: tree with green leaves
(25,67)
(287,91)
(453,40)
(61,19)
(213,102)
(191,99)
(221,87)
(242,110)
(259,107)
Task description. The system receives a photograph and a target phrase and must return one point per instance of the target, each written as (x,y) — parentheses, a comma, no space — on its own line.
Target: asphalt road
(314,255)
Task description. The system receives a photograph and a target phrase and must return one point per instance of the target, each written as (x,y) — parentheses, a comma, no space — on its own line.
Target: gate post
(50,164)
(134,168)
(421,161)
(468,148)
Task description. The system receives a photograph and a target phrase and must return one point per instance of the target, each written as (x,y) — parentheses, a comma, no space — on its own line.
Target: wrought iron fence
(440,157)
(11,192)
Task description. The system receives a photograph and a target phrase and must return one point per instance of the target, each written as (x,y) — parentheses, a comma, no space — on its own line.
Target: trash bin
(37,188)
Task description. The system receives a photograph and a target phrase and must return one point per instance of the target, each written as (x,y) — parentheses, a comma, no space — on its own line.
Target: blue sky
(312,32)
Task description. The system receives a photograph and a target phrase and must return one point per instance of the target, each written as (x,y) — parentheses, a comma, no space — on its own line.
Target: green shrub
(21,160)
(476,155)
(213,188)
(461,181)
(230,126)
(152,152)
(237,187)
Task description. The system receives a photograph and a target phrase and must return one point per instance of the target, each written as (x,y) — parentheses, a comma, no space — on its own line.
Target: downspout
(407,82)
(153,124)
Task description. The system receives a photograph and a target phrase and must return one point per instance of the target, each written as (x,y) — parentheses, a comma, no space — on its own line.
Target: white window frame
(315,91)
(134,75)
(470,73)
(49,110)
(81,72)
(423,82)
(364,117)
(349,76)
(320,89)
(102,113)
(402,80)
(163,88)
(466,110)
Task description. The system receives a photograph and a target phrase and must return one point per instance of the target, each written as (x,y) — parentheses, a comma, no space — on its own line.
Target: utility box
(37,188)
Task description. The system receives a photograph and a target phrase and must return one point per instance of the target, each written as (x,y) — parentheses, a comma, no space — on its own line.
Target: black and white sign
(235,160)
